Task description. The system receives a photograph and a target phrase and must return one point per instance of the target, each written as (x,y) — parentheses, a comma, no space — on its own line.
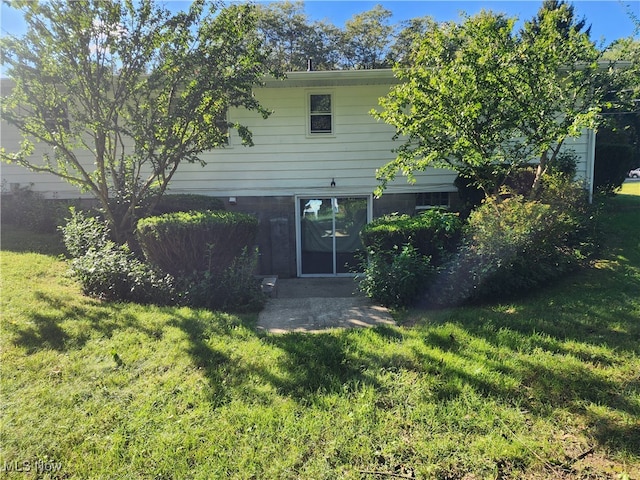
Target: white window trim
(310,134)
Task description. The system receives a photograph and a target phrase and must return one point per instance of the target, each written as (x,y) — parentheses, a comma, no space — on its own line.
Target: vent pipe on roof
(309,65)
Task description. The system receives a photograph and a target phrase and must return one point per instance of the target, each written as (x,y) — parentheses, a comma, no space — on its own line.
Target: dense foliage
(368,39)
(507,246)
(28,209)
(433,233)
(216,278)
(395,278)
(404,252)
(120,94)
(210,253)
(481,97)
(514,246)
(182,243)
(234,288)
(111,271)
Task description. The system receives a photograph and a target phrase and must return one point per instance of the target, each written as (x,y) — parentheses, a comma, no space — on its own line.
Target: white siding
(285,160)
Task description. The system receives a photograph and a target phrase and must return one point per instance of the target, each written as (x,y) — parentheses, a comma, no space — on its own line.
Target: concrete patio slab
(314,305)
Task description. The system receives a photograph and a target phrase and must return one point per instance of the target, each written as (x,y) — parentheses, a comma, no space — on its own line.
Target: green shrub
(110,271)
(171,203)
(234,289)
(509,247)
(433,233)
(570,201)
(114,273)
(82,233)
(395,278)
(30,210)
(182,243)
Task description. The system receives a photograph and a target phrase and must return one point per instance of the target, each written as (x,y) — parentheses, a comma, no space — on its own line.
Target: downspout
(591,160)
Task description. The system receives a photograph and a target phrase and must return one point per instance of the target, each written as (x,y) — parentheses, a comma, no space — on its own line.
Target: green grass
(545,387)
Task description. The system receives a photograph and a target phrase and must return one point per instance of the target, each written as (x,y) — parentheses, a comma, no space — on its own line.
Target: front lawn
(545,387)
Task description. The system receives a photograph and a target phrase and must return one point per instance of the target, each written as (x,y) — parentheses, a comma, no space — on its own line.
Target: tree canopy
(481,97)
(122,93)
(368,40)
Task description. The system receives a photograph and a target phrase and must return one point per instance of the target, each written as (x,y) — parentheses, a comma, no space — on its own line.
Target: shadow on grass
(71,326)
(19,240)
(315,364)
(565,347)
(216,364)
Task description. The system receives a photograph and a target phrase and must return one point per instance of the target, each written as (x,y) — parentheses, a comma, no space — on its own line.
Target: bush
(110,271)
(433,233)
(30,210)
(182,243)
(82,233)
(114,273)
(511,246)
(395,278)
(234,289)
(172,203)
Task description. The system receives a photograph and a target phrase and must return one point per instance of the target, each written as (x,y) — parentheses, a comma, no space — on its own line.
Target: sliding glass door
(328,234)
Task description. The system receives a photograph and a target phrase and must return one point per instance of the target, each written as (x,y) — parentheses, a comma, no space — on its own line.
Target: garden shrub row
(198,258)
(507,245)
(30,210)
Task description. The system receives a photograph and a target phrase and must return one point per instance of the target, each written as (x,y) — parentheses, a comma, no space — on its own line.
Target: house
(309,177)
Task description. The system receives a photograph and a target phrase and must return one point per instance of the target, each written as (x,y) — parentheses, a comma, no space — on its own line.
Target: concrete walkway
(315,304)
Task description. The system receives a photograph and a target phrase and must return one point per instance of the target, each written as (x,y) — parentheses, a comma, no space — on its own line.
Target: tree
(622,101)
(366,39)
(482,99)
(122,93)
(293,40)
(564,87)
(410,32)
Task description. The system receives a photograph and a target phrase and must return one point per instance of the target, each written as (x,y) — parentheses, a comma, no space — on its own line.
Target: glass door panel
(350,217)
(329,234)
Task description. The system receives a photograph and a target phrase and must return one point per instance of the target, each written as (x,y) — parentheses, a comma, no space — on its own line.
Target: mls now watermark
(38,466)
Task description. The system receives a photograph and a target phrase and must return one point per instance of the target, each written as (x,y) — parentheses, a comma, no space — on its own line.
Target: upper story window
(320,113)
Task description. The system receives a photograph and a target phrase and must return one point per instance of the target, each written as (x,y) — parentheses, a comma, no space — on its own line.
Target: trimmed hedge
(172,203)
(183,243)
(434,233)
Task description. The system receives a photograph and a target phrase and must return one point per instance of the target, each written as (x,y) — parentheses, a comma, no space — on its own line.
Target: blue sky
(608,18)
